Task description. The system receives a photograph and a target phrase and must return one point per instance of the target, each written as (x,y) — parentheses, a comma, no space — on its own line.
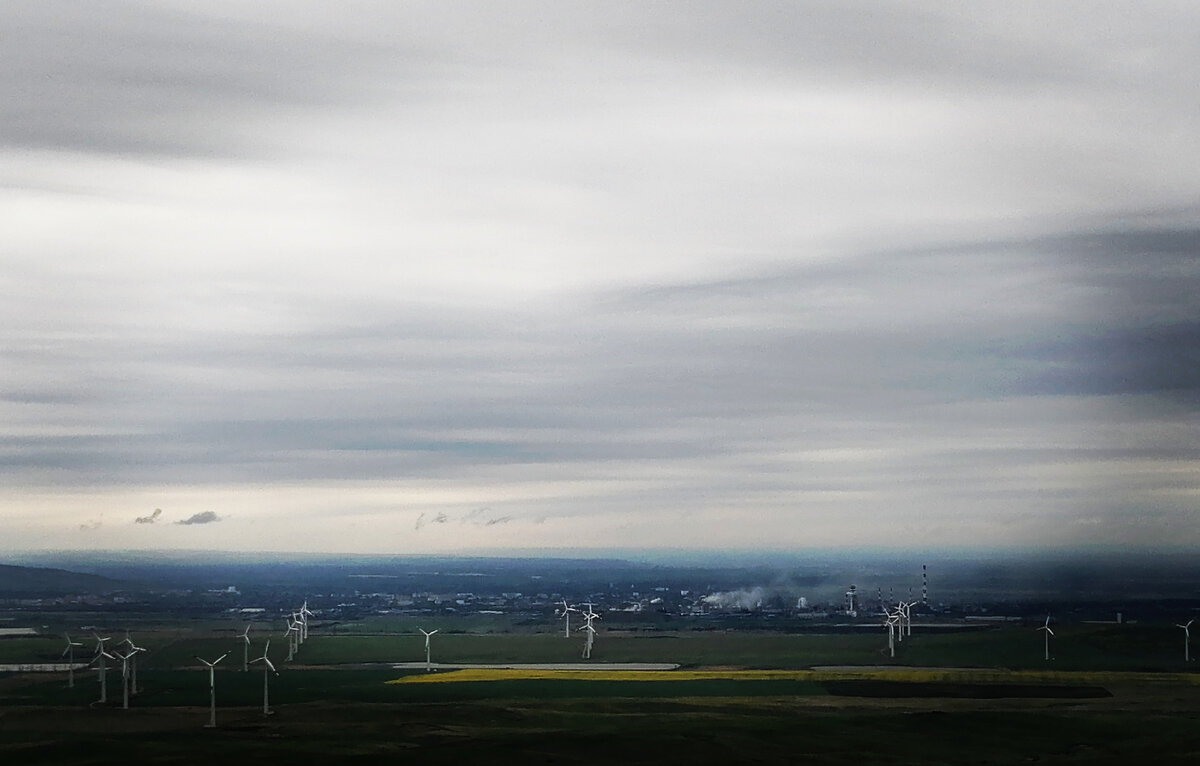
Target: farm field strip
(476,675)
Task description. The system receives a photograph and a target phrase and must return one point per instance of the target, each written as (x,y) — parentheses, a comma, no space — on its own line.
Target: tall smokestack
(924,585)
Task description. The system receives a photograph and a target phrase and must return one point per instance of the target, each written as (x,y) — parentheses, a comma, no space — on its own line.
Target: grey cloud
(440,518)
(153,517)
(480,517)
(132,78)
(682,371)
(204,517)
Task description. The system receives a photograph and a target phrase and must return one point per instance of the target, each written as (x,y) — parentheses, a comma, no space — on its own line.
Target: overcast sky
(458,277)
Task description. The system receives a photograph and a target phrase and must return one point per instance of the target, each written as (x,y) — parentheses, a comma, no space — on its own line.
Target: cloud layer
(424,277)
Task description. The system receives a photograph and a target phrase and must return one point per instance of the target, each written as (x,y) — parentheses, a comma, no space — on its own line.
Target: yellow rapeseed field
(883,674)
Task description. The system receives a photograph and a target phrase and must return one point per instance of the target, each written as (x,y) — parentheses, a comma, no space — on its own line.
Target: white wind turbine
(125,657)
(102,668)
(297,619)
(212,690)
(588,616)
(69,653)
(893,619)
(1187,638)
(304,615)
(906,616)
(566,613)
(290,634)
(428,665)
(268,668)
(245,636)
(1049,633)
(133,650)
(591,637)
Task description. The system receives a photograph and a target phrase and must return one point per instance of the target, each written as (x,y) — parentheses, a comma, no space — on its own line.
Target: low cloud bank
(204,517)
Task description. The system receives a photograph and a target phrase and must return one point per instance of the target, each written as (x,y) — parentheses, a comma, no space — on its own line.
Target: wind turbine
(245,636)
(1187,638)
(267,669)
(290,635)
(212,690)
(101,668)
(588,616)
(906,614)
(297,619)
(1049,633)
(304,615)
(893,618)
(566,613)
(591,637)
(428,665)
(69,653)
(133,652)
(124,658)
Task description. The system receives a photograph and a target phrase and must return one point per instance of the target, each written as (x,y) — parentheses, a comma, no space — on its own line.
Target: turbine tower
(125,658)
(566,613)
(588,616)
(101,667)
(268,668)
(69,653)
(304,615)
(132,650)
(245,636)
(906,615)
(297,619)
(1049,633)
(290,634)
(1187,638)
(890,623)
(212,690)
(428,665)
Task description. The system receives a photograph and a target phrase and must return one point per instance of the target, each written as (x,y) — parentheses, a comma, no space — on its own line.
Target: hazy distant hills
(31,582)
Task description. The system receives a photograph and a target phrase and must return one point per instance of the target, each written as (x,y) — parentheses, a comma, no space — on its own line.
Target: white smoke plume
(758,597)
(737,599)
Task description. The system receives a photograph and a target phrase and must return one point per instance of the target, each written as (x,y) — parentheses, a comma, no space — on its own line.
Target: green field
(1113,694)
(1075,647)
(357,718)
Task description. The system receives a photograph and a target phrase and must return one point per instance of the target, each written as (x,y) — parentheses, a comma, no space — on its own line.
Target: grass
(742,698)
(632,730)
(1074,647)
(518,716)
